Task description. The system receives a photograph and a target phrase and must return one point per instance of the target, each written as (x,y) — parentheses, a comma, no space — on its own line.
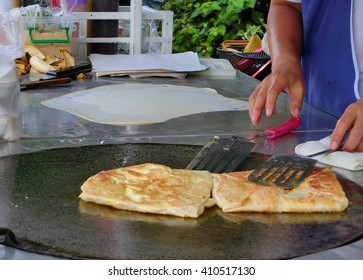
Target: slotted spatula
(283,171)
(227,154)
(221,154)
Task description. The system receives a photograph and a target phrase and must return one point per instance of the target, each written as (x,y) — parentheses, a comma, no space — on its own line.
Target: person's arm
(285,31)
(285,45)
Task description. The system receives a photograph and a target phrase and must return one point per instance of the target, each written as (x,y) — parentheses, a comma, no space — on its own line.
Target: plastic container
(49,34)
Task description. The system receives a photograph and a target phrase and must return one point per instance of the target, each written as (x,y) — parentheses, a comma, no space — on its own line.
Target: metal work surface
(47,129)
(46,215)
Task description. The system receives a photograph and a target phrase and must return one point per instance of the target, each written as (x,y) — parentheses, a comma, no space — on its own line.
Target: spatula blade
(221,154)
(283,171)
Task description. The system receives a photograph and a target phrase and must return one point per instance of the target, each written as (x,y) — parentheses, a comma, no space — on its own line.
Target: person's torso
(328,60)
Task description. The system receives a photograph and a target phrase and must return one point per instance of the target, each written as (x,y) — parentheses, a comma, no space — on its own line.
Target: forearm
(285,45)
(285,32)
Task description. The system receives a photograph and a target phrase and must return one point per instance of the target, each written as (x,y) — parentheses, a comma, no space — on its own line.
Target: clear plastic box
(49,34)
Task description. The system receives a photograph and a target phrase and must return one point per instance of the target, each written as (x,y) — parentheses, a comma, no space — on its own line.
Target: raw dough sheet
(135,104)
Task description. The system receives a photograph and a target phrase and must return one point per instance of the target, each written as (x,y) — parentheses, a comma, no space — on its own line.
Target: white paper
(121,63)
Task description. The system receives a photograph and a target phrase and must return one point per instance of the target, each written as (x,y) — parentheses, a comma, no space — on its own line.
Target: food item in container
(68,58)
(35,61)
(54,60)
(319,192)
(40,65)
(47,34)
(22,65)
(254,43)
(33,51)
(151,188)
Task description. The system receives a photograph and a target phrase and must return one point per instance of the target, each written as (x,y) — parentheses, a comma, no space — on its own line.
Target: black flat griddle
(40,212)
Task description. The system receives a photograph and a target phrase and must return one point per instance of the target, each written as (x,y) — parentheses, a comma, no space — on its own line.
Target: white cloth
(351,161)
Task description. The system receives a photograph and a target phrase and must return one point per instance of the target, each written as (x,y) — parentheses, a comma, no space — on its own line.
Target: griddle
(40,212)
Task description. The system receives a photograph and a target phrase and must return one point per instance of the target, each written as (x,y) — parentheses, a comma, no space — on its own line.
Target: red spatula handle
(284,128)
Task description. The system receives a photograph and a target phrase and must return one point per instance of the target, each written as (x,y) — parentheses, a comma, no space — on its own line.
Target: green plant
(201,26)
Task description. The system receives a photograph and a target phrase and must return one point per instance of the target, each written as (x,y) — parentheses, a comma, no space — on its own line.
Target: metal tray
(41,213)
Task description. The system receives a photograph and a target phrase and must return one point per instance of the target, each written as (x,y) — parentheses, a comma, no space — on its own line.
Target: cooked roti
(151,188)
(319,192)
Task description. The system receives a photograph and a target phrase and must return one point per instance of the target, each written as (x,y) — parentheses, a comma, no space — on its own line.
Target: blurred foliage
(201,26)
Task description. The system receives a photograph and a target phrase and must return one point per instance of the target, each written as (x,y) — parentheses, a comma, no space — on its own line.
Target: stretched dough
(134,104)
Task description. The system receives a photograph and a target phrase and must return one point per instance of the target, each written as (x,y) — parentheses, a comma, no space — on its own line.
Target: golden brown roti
(151,188)
(320,192)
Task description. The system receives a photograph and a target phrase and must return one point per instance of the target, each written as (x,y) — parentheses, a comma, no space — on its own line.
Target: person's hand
(352,120)
(287,77)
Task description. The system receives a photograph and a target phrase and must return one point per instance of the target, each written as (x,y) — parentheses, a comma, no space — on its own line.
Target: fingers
(255,114)
(264,97)
(271,99)
(266,94)
(352,120)
(296,103)
(297,95)
(360,147)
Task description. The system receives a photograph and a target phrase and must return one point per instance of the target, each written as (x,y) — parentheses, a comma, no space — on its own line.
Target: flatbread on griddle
(319,192)
(151,188)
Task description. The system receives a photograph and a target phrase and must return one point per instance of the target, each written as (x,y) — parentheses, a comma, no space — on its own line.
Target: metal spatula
(227,154)
(221,154)
(284,171)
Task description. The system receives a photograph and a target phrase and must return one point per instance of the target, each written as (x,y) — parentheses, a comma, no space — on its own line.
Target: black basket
(247,62)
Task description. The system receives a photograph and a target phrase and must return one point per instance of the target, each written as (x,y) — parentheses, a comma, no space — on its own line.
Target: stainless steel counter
(46,128)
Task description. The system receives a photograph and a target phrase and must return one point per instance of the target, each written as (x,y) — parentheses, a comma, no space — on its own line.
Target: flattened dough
(135,104)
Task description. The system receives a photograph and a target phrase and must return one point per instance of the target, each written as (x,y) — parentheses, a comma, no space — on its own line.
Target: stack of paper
(175,65)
